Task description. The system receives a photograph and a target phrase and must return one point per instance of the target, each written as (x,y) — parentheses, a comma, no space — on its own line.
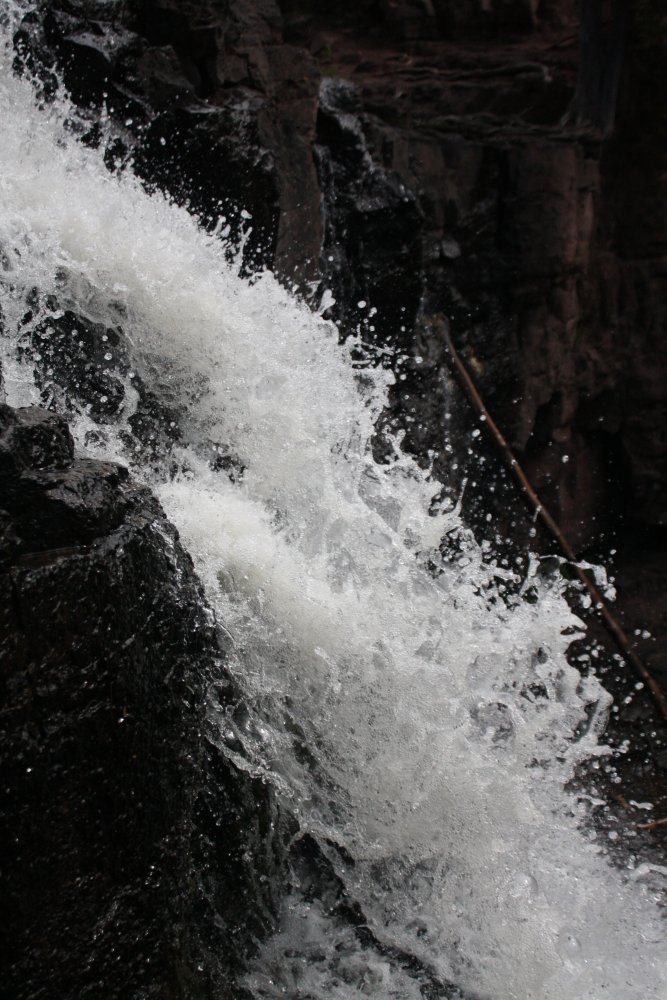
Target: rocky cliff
(437,162)
(441,162)
(130,846)
(438,165)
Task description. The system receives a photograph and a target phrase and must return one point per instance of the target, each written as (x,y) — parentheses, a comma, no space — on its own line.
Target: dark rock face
(132,852)
(53,501)
(371,252)
(539,242)
(439,161)
(213,107)
(431,174)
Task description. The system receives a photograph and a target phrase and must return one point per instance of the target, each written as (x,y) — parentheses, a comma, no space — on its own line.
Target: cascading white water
(443,724)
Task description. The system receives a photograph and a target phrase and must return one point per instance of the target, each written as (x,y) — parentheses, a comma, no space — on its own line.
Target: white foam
(440,722)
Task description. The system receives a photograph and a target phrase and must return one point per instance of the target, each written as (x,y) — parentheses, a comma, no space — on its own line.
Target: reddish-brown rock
(462,169)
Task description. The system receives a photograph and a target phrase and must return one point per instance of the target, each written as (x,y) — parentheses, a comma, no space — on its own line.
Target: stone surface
(537,242)
(444,162)
(212,105)
(132,852)
(443,167)
(372,248)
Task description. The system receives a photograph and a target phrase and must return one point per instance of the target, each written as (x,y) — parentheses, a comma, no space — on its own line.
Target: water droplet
(523,886)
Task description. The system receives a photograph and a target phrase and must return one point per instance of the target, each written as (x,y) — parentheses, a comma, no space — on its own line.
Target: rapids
(442,720)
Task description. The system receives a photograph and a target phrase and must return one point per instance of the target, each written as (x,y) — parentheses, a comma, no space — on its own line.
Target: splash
(421,725)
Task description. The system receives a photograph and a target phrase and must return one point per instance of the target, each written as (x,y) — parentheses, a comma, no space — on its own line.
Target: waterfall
(416,715)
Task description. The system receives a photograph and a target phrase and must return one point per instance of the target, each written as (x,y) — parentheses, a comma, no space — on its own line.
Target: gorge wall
(442,163)
(130,845)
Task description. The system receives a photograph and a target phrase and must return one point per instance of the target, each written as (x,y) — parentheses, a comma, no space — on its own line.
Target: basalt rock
(492,167)
(450,165)
(209,104)
(436,159)
(134,856)
(536,181)
(372,247)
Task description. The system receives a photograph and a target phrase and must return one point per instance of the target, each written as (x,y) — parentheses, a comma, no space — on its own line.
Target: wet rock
(431,178)
(54,500)
(538,245)
(134,856)
(89,358)
(371,253)
(209,104)
(31,438)
(441,181)
(541,252)
(248,144)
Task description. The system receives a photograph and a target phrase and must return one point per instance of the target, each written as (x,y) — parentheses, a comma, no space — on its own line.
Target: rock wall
(441,161)
(534,243)
(435,161)
(134,856)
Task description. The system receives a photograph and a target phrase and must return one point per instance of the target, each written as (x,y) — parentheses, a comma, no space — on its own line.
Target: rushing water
(442,720)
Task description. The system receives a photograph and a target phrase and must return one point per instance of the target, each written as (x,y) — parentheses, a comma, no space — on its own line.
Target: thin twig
(599,602)
(652,825)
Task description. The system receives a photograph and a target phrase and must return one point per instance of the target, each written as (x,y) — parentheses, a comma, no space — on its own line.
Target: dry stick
(599,603)
(653,825)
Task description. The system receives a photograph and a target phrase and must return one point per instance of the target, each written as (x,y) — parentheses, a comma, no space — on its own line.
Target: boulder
(134,855)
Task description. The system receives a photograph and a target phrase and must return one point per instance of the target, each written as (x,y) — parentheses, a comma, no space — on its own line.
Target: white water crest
(442,722)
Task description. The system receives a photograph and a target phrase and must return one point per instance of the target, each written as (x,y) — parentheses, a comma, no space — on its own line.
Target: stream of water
(442,719)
